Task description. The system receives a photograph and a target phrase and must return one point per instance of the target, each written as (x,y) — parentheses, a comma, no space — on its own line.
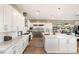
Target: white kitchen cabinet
(72,45)
(63,45)
(21,22)
(1,18)
(18,21)
(51,44)
(60,43)
(68,44)
(10,19)
(7,17)
(14,21)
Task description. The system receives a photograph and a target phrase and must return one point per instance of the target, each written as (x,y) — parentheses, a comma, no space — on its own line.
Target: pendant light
(38,14)
(59,11)
(25,15)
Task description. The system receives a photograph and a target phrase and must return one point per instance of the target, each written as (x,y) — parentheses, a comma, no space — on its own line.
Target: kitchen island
(60,43)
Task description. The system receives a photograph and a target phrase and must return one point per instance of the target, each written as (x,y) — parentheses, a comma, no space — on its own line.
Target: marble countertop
(59,35)
(11,43)
(7,44)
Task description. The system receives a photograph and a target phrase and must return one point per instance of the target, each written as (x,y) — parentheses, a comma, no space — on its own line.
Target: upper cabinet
(1,18)
(10,19)
(18,21)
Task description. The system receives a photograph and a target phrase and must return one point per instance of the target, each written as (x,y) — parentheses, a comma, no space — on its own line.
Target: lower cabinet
(60,45)
(72,45)
(51,44)
(68,45)
(63,45)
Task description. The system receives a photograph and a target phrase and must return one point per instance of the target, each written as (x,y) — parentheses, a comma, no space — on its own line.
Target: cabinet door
(51,44)
(72,46)
(63,45)
(18,21)
(1,18)
(21,22)
(7,17)
(15,21)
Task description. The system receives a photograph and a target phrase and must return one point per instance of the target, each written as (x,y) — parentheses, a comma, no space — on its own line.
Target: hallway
(35,47)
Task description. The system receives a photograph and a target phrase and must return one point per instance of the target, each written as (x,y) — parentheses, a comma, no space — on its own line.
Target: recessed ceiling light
(59,13)
(15,13)
(24,14)
(53,17)
(37,12)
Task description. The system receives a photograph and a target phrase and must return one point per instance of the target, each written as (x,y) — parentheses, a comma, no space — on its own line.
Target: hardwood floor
(35,47)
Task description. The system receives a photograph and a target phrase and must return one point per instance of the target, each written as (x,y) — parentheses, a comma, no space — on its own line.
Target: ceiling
(50,11)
